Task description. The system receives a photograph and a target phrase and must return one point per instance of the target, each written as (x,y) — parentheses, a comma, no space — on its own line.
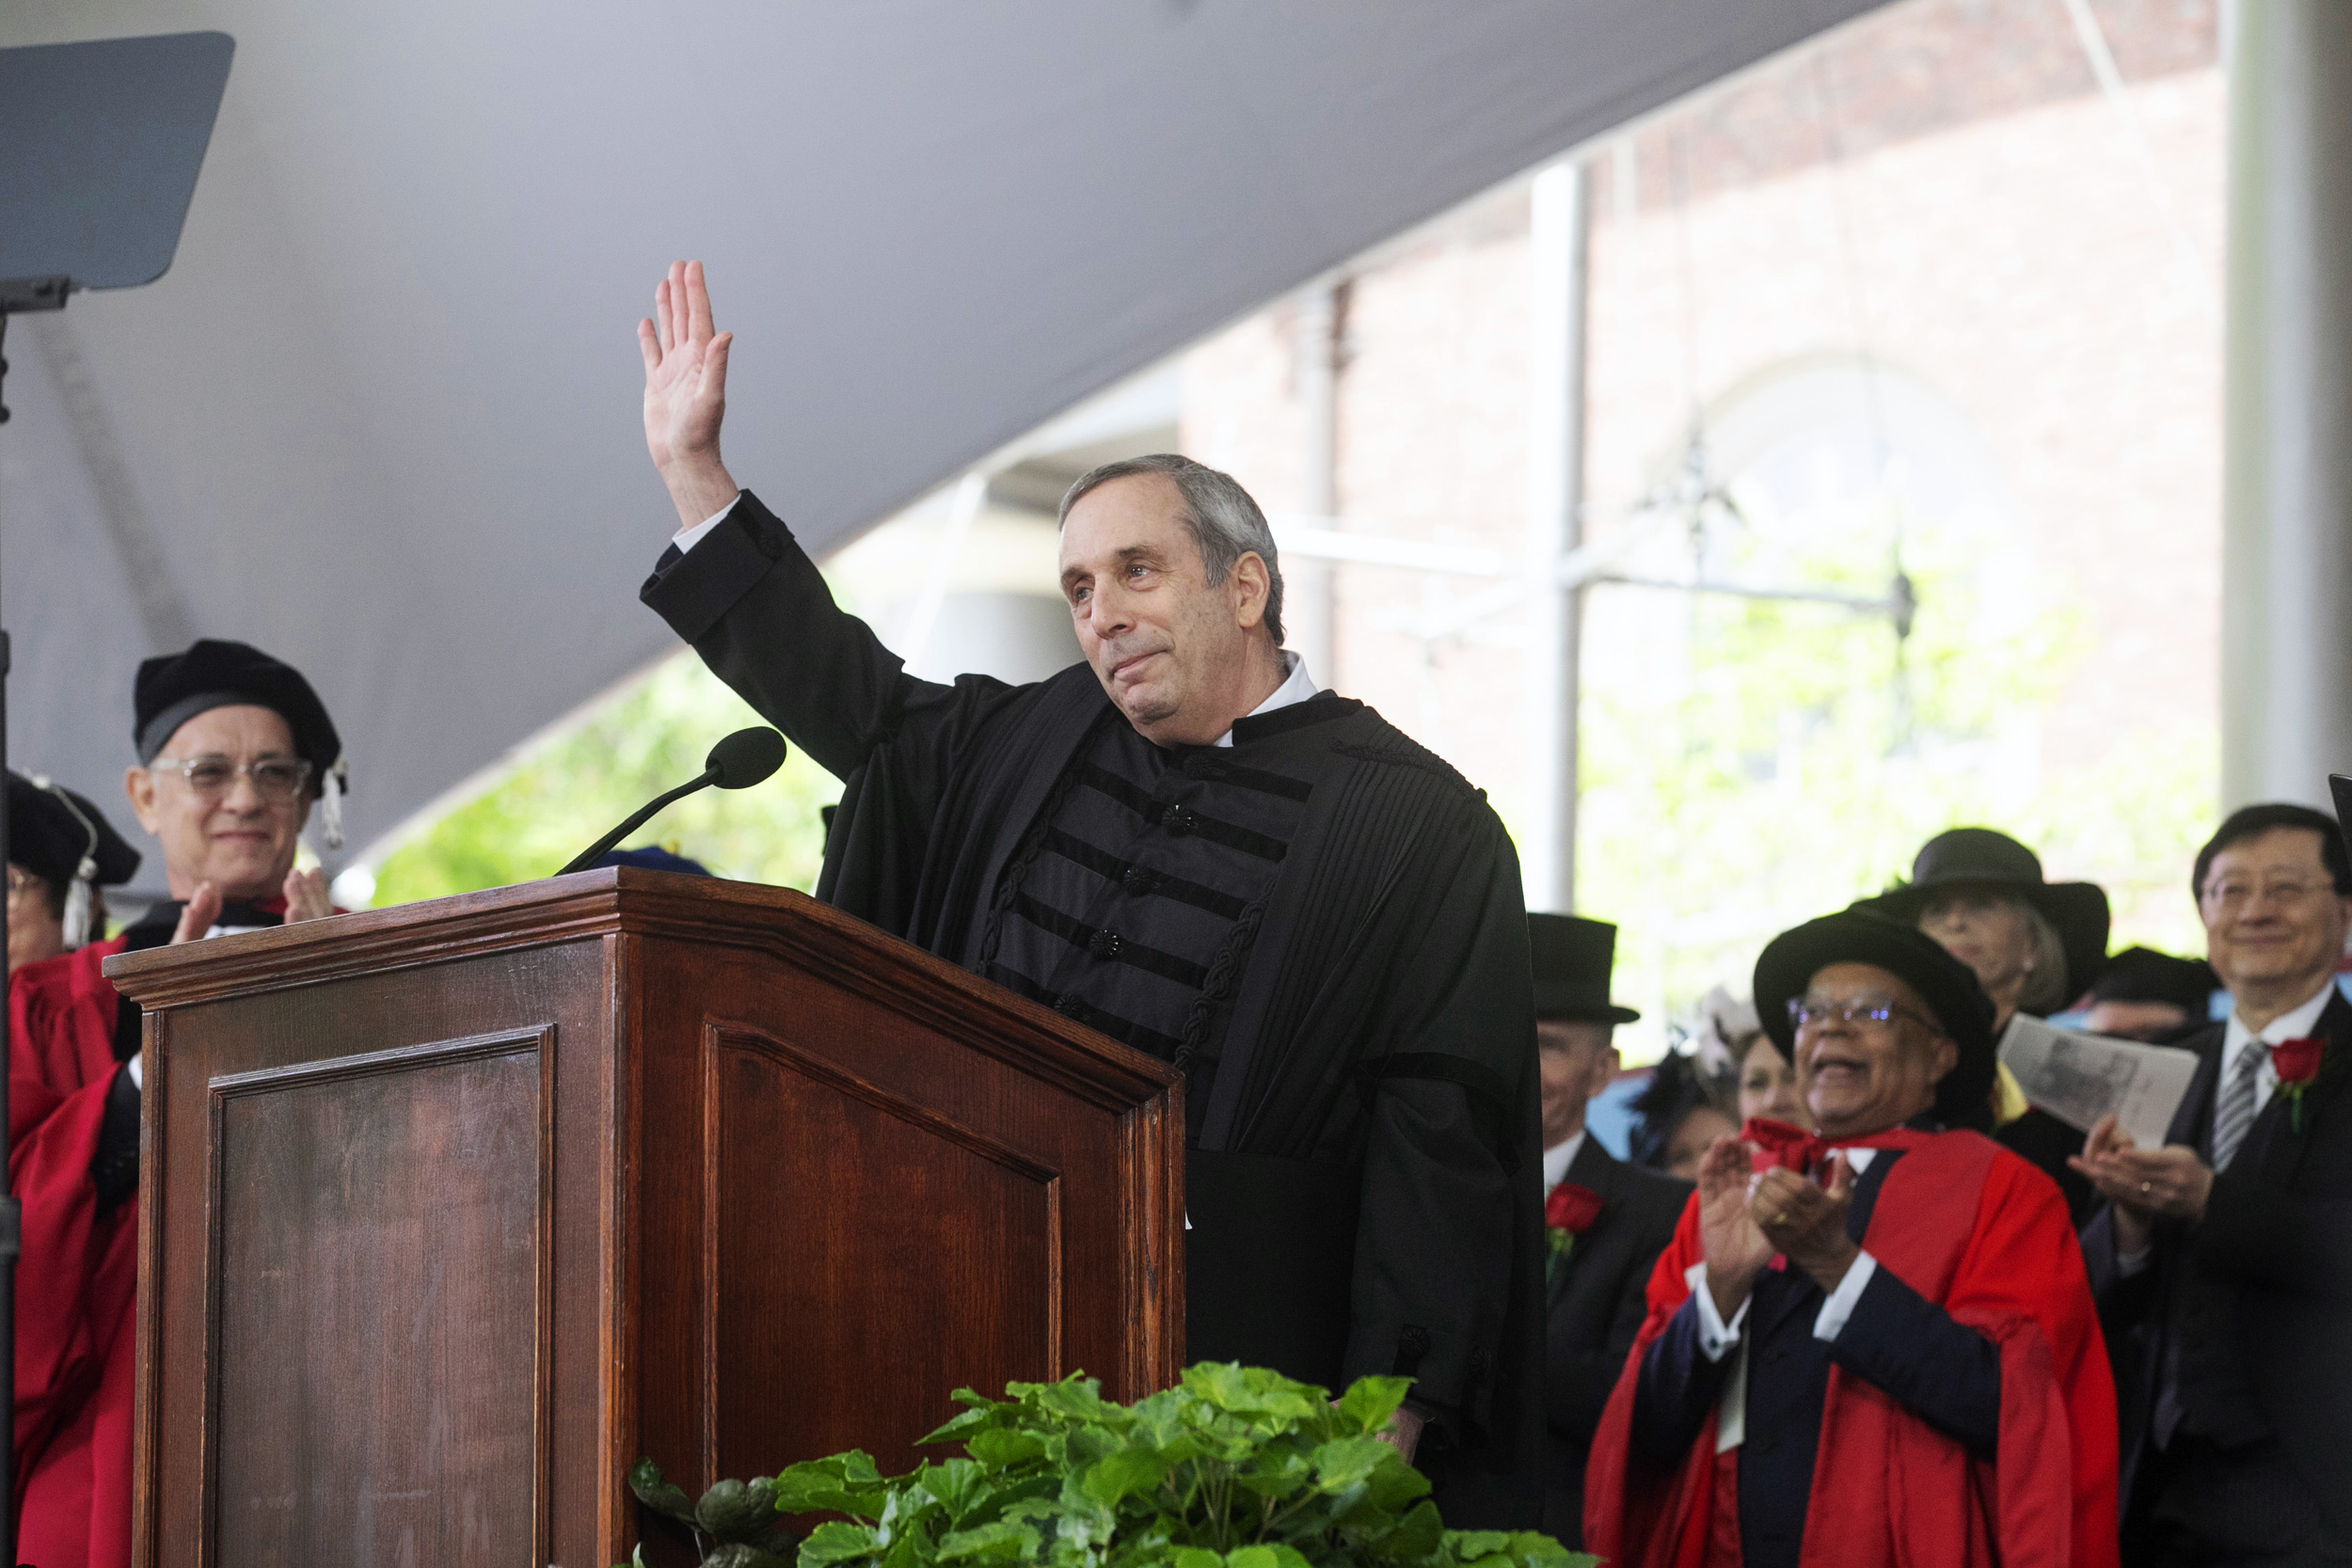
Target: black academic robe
(1363,1095)
(2236,1332)
(1595,1304)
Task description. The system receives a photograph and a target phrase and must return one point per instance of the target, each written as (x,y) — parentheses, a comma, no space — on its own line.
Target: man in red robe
(231,746)
(1875,1345)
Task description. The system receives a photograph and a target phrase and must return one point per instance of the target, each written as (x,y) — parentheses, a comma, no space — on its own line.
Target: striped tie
(2236,1113)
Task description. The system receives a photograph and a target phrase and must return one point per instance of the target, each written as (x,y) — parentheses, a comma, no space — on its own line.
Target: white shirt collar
(2286,1026)
(1296,687)
(1559,1157)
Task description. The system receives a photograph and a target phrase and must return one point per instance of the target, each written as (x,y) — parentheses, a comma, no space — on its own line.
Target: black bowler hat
(214,673)
(60,838)
(1948,987)
(1981,858)
(1572,959)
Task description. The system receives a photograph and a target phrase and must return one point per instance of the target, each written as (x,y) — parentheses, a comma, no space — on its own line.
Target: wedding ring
(1781,1218)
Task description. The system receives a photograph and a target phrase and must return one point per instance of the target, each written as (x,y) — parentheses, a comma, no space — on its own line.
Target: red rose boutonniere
(1568,1212)
(2297,1063)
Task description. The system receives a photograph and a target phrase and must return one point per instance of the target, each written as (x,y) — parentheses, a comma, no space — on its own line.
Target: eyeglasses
(2232,897)
(23,885)
(1809,1012)
(276,779)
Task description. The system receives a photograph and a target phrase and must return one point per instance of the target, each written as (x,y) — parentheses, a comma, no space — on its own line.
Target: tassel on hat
(332,802)
(83,895)
(78,899)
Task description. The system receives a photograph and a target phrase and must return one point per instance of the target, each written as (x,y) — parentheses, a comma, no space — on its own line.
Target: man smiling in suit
(2223,1260)
(1619,1217)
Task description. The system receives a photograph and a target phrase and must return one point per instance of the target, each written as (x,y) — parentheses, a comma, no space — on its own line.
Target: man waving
(1184,845)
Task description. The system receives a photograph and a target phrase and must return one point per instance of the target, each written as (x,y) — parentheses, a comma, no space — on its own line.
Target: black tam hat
(61,838)
(174,689)
(2144,975)
(1572,959)
(1948,987)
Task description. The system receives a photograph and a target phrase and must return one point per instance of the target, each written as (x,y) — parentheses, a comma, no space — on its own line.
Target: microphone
(741,760)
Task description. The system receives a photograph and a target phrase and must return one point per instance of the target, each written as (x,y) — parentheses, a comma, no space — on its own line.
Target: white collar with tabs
(1297,685)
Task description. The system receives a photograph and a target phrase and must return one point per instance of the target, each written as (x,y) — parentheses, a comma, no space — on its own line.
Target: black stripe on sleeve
(1106,943)
(1142,881)
(1150,1041)
(1178,819)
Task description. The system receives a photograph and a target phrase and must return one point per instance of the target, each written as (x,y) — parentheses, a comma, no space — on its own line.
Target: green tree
(651,736)
(1768,761)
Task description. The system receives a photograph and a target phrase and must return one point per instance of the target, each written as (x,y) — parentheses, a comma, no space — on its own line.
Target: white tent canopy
(381,416)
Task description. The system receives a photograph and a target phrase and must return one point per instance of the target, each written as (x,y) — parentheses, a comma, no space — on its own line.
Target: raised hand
(201,915)
(1808,1223)
(306,896)
(1735,1248)
(2144,1185)
(686,393)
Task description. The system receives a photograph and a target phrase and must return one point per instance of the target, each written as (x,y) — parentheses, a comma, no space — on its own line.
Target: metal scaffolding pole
(1310,607)
(1559,247)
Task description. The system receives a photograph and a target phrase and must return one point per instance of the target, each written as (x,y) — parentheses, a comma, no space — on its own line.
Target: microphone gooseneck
(742,759)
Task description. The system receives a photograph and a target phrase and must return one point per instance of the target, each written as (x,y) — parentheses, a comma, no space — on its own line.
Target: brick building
(1931,297)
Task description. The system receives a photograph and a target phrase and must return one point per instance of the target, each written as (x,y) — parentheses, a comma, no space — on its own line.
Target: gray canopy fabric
(381,416)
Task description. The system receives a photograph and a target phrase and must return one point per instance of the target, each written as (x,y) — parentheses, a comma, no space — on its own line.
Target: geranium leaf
(1003,1539)
(1350,1462)
(836,1541)
(1371,1401)
(1120,1475)
(1001,1448)
(731,1507)
(644,1479)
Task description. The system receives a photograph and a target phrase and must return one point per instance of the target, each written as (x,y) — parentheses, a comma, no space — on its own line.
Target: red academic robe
(1978,1231)
(78,1280)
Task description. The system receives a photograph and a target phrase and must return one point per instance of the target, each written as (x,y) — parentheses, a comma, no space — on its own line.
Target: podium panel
(449,1213)
(355,1277)
(956,1267)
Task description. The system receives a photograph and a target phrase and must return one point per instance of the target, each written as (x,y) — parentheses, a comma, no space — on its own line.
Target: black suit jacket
(1594,1309)
(2269,1268)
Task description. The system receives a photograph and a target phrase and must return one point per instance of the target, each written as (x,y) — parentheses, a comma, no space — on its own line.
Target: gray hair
(1225,522)
(2049,986)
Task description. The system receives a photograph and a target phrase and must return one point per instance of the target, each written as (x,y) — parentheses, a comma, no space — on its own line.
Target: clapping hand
(1735,1249)
(306,896)
(201,915)
(2145,1185)
(686,393)
(1808,1223)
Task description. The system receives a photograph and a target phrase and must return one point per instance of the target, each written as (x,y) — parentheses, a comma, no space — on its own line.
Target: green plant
(739,1517)
(1234,1467)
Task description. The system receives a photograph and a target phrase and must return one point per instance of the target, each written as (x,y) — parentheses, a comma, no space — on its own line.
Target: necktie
(2236,1113)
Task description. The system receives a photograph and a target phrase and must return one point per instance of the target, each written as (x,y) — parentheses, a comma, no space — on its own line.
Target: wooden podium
(449,1213)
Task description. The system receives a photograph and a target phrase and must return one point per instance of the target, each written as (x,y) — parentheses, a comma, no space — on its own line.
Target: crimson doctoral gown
(1976,1230)
(78,1278)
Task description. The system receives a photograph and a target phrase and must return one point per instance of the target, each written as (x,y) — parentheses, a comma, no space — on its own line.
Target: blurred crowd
(2181,1307)
(1843,1292)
